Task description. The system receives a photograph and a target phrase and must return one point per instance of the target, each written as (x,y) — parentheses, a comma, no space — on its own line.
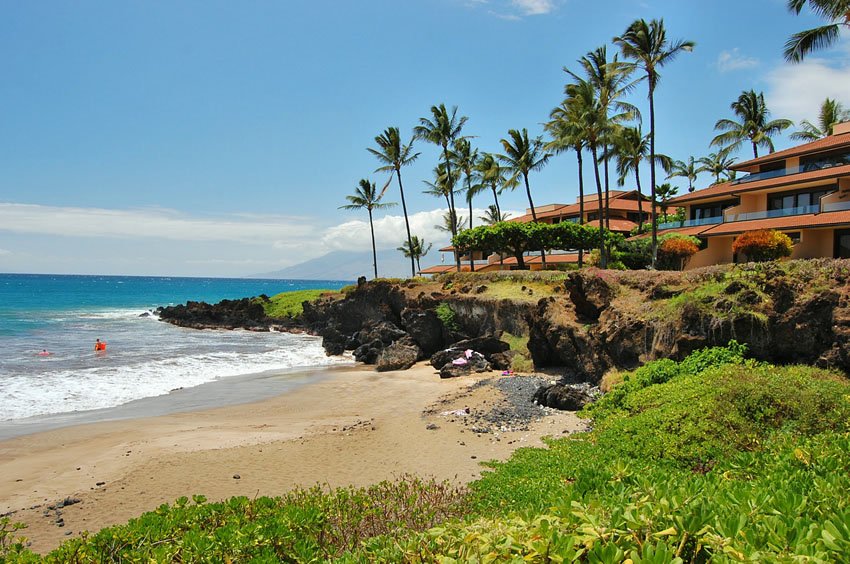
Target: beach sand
(355,426)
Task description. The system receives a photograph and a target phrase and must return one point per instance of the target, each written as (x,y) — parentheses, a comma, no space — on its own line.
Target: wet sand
(337,427)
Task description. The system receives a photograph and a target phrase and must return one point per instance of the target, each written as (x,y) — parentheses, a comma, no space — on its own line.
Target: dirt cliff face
(591,321)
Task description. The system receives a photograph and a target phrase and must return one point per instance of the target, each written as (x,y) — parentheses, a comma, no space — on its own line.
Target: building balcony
(769,214)
(690,223)
(788,171)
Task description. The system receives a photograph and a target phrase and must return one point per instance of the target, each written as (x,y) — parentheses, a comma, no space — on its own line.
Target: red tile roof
(824,144)
(825,219)
(729,189)
(695,231)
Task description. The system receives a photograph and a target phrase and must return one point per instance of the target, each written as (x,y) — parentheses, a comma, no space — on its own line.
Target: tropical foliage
(753,125)
(831,113)
(763,245)
(837,12)
(416,250)
(366,197)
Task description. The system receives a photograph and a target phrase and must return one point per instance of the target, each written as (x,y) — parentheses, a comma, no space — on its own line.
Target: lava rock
(566,397)
(397,356)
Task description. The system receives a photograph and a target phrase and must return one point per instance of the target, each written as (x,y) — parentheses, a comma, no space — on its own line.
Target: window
(711,210)
(794,236)
(798,199)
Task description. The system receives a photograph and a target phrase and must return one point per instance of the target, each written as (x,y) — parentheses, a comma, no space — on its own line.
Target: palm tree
(494,176)
(493,216)
(452,223)
(442,130)
(466,160)
(521,157)
(717,164)
(632,148)
(685,169)
(591,124)
(753,125)
(443,185)
(831,113)
(415,249)
(366,196)
(612,80)
(648,46)
(665,192)
(395,155)
(565,128)
(801,44)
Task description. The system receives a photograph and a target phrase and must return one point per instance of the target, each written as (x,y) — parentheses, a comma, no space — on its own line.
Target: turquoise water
(145,357)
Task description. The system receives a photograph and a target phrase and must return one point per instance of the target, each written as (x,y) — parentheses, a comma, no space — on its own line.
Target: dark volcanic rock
(475,363)
(425,328)
(246,313)
(398,356)
(487,346)
(567,397)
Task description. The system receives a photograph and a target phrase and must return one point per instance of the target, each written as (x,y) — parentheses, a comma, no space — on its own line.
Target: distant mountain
(345,265)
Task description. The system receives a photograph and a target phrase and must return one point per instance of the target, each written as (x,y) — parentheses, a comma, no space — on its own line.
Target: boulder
(425,328)
(567,397)
(385,331)
(397,356)
(475,363)
(487,346)
(368,353)
(333,342)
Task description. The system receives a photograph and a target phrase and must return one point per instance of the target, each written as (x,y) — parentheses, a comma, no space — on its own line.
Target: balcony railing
(808,167)
(691,222)
(768,214)
(836,206)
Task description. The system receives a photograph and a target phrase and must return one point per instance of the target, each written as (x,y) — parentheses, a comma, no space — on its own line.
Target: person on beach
(99,346)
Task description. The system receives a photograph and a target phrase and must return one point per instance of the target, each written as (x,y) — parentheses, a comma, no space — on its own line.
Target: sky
(212,138)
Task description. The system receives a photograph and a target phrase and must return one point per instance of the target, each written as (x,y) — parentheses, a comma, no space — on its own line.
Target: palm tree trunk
(533,215)
(607,185)
(496,199)
(603,259)
(580,202)
(471,258)
(406,222)
(374,252)
(755,150)
(654,215)
(451,200)
(640,198)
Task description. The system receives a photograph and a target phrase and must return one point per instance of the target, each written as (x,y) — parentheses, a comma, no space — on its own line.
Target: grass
(521,361)
(289,304)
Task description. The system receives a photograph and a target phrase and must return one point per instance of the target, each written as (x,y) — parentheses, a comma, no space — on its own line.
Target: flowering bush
(675,251)
(763,245)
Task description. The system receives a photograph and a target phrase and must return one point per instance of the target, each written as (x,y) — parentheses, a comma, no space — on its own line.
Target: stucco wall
(718,251)
(814,243)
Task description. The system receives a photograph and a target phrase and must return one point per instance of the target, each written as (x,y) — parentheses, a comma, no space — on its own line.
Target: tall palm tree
(647,45)
(521,157)
(443,184)
(754,124)
(716,164)
(632,148)
(565,129)
(494,176)
(395,155)
(591,124)
(685,169)
(366,196)
(831,113)
(801,44)
(415,249)
(492,215)
(466,160)
(442,130)
(612,81)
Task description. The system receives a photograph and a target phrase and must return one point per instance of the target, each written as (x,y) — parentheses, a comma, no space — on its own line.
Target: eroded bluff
(591,321)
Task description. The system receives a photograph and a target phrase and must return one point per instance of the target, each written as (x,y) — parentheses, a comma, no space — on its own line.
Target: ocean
(145,357)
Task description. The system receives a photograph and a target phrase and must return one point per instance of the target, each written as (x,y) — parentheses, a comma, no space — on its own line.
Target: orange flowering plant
(763,245)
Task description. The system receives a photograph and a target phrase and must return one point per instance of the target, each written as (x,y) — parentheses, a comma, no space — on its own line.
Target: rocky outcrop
(247,313)
(568,397)
(398,356)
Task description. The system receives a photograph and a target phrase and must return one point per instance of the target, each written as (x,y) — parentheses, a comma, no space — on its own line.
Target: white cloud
(733,60)
(4,252)
(534,7)
(797,91)
(153,224)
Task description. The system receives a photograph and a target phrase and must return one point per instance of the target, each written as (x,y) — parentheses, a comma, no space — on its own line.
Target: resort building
(803,192)
(625,208)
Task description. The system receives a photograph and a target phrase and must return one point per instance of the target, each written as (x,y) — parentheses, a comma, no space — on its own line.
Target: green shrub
(447,316)
(290,304)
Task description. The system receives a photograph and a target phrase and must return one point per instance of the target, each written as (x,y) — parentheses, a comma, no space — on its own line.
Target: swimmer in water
(99,346)
(44,353)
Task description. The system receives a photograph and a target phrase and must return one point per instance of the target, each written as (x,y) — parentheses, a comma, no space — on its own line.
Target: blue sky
(220,138)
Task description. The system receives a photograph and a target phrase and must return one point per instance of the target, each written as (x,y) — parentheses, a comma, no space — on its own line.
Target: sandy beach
(353,426)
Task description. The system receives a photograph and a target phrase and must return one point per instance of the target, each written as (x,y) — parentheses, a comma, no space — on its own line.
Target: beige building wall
(792,162)
(718,251)
(814,243)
